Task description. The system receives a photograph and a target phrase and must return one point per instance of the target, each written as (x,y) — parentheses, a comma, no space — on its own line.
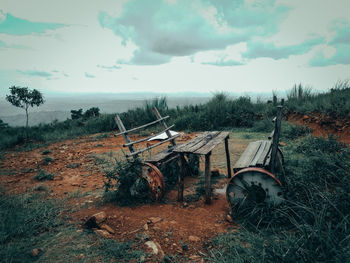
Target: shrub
(47,160)
(43,176)
(312,225)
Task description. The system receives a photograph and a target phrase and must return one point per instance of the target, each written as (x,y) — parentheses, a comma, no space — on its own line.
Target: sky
(172,46)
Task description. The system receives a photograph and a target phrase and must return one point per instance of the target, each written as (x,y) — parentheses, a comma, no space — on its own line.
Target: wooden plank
(140,127)
(228,160)
(263,157)
(210,145)
(159,117)
(275,139)
(196,142)
(248,155)
(258,153)
(125,134)
(160,156)
(153,146)
(207,179)
(147,138)
(180,192)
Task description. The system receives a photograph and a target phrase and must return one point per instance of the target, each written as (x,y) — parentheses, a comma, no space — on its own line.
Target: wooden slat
(212,143)
(147,138)
(262,159)
(141,127)
(160,156)
(248,155)
(275,138)
(258,153)
(192,143)
(204,143)
(159,117)
(125,134)
(152,146)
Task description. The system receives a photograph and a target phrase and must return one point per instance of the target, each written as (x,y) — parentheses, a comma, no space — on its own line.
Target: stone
(103,233)
(145,227)
(80,256)
(154,220)
(229,218)
(96,220)
(108,228)
(156,248)
(35,252)
(194,238)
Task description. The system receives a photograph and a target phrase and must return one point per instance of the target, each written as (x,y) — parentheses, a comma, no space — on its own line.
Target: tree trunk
(26,123)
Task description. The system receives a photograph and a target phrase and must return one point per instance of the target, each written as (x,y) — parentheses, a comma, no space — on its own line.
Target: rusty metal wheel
(155,180)
(254,185)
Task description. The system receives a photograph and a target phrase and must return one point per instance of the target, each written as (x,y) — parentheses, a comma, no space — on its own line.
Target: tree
(22,97)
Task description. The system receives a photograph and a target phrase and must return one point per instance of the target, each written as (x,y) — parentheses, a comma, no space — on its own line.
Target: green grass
(43,176)
(32,221)
(312,225)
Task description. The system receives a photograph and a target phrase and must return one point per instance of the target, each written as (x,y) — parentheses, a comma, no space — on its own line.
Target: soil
(324,125)
(78,167)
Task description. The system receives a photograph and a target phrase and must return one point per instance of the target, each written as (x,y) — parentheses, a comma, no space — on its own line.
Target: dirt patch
(78,168)
(323,125)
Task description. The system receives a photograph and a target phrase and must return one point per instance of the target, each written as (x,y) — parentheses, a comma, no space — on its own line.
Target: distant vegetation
(219,113)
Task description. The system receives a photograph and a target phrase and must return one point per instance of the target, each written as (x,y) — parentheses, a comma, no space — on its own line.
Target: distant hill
(59,108)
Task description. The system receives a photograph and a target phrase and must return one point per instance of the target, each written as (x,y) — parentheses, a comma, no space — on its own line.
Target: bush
(43,176)
(312,225)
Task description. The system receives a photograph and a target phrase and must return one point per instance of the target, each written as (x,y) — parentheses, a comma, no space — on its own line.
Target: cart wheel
(155,180)
(253,185)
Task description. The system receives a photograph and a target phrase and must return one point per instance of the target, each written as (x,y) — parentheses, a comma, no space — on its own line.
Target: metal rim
(155,181)
(254,184)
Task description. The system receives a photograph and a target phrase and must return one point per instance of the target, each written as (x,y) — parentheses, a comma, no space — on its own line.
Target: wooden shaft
(207,179)
(125,134)
(159,117)
(147,138)
(228,161)
(275,139)
(180,192)
(142,126)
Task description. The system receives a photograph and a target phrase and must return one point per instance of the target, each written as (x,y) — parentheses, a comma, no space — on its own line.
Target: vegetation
(23,98)
(312,225)
(43,176)
(32,221)
(221,112)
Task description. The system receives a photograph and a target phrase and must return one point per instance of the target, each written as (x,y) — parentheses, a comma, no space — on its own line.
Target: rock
(142,236)
(81,256)
(103,233)
(185,204)
(35,252)
(156,248)
(229,218)
(108,228)
(96,220)
(145,227)
(215,173)
(154,220)
(194,238)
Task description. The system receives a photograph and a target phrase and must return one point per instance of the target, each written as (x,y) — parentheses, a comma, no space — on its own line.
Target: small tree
(23,98)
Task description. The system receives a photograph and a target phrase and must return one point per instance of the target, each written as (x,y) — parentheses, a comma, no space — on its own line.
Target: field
(52,184)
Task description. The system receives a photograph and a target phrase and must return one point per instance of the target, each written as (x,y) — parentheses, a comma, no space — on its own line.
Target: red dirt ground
(82,187)
(323,125)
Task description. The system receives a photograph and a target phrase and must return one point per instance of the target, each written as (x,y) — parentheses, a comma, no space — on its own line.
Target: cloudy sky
(173,45)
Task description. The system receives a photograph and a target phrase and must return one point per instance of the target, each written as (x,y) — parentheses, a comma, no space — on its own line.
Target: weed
(46,152)
(43,176)
(40,188)
(73,165)
(47,160)
(312,225)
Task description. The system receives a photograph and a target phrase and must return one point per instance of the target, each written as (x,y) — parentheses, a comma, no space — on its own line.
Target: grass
(43,176)
(32,221)
(312,225)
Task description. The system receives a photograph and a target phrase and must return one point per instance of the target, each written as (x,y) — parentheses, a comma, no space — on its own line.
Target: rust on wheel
(255,185)
(155,180)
